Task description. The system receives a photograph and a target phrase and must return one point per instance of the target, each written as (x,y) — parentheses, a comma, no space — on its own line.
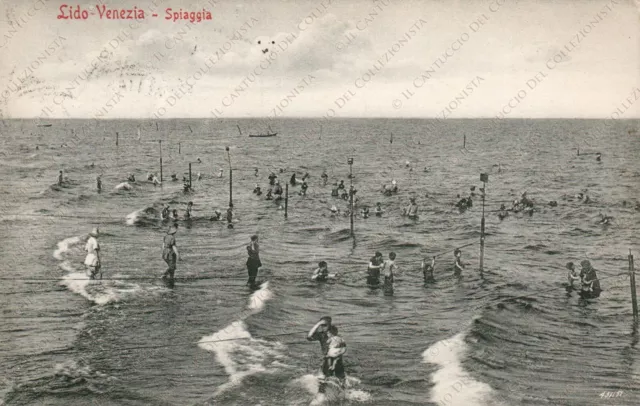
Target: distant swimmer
(131,178)
(255,172)
(174,177)
(599,157)
(149,176)
(217,215)
(389,268)
(604,219)
(425,170)
(553,203)
(378,210)
(174,215)
(407,164)
(269,194)
(503,214)
(92,260)
(164,215)
(293,181)
(334,191)
(272,178)
(98,183)
(394,186)
(278,191)
(199,176)
(428,268)
(344,195)
(170,252)
(573,274)
(60,179)
(412,210)
(123,186)
(281,170)
(305,176)
(220,172)
(590,282)
(458,266)
(330,349)
(230,216)
(365,212)
(253,261)
(303,188)
(155,180)
(334,211)
(187,214)
(341,185)
(373,270)
(321,274)
(325,178)
(473,191)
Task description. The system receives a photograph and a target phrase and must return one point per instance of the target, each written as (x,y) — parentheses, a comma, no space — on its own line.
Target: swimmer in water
(293,181)
(458,265)
(164,215)
(269,194)
(305,176)
(278,191)
(199,176)
(336,347)
(131,178)
(320,332)
(389,267)
(604,219)
(365,212)
(334,211)
(573,274)
(412,210)
(341,185)
(155,180)
(220,173)
(325,178)
(92,261)
(170,252)
(590,281)
(599,157)
(99,183)
(503,212)
(187,214)
(272,178)
(344,195)
(60,179)
(217,215)
(428,268)
(253,261)
(334,191)
(256,189)
(321,274)
(174,177)
(378,210)
(256,172)
(303,188)
(373,270)
(394,186)
(174,215)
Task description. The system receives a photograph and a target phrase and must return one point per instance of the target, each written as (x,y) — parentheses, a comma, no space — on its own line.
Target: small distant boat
(45,125)
(268,134)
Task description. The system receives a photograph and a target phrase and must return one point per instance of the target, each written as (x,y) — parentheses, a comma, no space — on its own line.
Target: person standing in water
(428,268)
(389,266)
(412,210)
(253,261)
(325,178)
(320,332)
(230,216)
(187,214)
(170,252)
(590,281)
(60,179)
(99,183)
(458,266)
(321,274)
(373,270)
(92,260)
(573,274)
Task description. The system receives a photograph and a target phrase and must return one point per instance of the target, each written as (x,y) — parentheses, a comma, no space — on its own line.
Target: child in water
(321,274)
(336,349)
(573,274)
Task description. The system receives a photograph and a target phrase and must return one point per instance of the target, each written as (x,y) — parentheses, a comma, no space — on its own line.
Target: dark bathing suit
(169,254)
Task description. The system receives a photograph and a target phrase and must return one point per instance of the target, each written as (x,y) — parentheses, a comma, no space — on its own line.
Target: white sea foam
(453,385)
(259,298)
(64,246)
(132,218)
(242,355)
(312,385)
(123,186)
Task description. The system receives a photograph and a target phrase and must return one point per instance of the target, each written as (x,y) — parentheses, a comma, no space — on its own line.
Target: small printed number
(607,395)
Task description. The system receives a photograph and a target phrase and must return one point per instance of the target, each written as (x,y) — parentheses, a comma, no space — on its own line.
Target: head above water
(585,264)
(190,204)
(173,229)
(392,255)
(254,237)
(322,264)
(333,330)
(378,254)
(457,252)
(95,232)
(570,266)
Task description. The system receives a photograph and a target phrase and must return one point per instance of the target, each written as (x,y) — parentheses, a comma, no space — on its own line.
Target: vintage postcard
(319,202)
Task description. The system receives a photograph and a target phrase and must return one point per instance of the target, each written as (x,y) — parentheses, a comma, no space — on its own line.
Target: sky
(384,58)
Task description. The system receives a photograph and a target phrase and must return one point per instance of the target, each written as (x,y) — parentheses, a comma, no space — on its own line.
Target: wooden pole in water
(350,161)
(156,126)
(117,136)
(464,142)
(578,151)
(230,178)
(179,148)
(484,178)
(189,175)
(632,280)
(160,143)
(286,200)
